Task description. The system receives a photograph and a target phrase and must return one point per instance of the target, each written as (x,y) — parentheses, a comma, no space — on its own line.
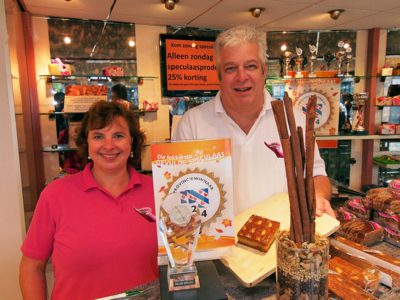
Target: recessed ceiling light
(335,13)
(67,40)
(169,4)
(131,43)
(256,11)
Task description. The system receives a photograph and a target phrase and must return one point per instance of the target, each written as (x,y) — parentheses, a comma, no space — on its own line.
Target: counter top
(265,290)
(234,290)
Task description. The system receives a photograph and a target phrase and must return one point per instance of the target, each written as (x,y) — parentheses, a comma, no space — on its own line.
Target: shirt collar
(90,183)
(219,108)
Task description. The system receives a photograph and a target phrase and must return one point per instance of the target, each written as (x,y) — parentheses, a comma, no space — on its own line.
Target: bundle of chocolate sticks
(298,156)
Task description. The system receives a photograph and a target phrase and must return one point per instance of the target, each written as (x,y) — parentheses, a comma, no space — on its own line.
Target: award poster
(327,91)
(201,173)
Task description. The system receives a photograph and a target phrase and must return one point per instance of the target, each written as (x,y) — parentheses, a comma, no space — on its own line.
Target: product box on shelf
(57,67)
(387,129)
(384,100)
(150,105)
(113,71)
(396,100)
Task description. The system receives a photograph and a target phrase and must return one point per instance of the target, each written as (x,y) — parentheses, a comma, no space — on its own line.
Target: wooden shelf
(358,137)
(58,148)
(387,166)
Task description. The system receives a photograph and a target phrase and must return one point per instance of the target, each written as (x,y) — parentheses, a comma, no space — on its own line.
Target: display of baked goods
(344,215)
(367,279)
(362,231)
(343,288)
(391,221)
(86,90)
(357,208)
(258,233)
(392,236)
(384,200)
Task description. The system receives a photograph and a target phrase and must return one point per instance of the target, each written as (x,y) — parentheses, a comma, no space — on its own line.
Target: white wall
(155,125)
(11,203)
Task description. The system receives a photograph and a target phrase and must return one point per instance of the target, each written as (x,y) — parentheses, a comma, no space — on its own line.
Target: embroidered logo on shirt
(146,213)
(276,148)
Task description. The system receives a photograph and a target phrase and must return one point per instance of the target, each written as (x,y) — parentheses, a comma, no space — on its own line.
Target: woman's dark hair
(120,91)
(99,116)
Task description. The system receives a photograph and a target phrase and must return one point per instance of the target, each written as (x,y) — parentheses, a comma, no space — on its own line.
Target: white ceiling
(279,15)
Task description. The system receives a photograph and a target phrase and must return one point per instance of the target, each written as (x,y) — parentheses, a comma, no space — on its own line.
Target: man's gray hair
(238,35)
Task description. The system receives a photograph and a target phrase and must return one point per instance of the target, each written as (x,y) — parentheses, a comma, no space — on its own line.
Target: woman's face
(110,147)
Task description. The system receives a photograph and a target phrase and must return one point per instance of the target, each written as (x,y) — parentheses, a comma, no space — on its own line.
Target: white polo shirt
(257,172)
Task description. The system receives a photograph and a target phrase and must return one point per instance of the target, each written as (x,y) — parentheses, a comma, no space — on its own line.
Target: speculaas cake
(362,231)
(383,200)
(258,233)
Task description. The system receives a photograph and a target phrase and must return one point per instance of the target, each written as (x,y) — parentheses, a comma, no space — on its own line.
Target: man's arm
(323,196)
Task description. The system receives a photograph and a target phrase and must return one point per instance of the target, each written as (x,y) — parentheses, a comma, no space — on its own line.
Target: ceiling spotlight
(256,11)
(170,4)
(335,14)
(67,40)
(131,43)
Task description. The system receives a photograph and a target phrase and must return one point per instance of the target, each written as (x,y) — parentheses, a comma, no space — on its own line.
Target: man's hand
(323,195)
(323,206)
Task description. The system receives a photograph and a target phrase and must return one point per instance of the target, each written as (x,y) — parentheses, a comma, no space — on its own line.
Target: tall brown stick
(310,148)
(279,114)
(298,167)
(301,141)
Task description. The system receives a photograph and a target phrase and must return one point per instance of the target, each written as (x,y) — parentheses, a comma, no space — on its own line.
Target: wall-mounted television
(188,66)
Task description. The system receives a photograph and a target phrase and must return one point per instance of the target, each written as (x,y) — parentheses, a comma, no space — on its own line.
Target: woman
(87,222)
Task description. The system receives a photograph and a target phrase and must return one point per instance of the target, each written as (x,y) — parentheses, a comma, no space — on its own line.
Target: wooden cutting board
(251,266)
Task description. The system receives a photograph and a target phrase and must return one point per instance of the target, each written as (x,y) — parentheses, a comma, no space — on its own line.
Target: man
(242,112)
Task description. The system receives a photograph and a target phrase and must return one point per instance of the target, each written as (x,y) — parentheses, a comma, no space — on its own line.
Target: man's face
(242,76)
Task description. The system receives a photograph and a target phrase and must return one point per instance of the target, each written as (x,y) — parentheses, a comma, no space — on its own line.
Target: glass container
(302,269)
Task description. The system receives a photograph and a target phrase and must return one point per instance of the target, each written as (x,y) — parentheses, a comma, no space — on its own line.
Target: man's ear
(265,69)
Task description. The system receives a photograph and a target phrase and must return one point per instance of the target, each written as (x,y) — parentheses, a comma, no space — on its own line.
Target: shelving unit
(277,85)
(388,166)
(91,77)
(357,137)
(59,150)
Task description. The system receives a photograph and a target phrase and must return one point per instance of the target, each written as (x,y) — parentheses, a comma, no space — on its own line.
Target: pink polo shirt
(99,244)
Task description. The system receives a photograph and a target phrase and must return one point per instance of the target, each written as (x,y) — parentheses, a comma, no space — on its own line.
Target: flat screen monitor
(188,66)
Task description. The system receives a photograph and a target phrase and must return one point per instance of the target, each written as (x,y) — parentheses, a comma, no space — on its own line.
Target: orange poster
(200,174)
(190,65)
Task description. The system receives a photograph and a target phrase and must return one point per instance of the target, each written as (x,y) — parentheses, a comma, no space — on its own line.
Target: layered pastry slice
(258,233)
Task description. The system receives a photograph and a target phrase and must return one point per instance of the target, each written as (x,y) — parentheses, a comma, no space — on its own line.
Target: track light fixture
(256,11)
(335,13)
(169,4)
